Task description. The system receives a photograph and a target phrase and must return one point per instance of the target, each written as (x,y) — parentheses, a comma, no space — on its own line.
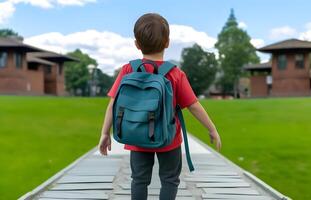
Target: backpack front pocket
(137,127)
(136,121)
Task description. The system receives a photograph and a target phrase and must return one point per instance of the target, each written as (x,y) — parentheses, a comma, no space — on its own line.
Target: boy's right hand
(104,144)
(214,136)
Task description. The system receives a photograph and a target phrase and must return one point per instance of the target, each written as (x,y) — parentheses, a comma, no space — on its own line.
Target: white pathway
(94,176)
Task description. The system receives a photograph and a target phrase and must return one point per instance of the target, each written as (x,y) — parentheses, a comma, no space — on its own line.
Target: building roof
(260,66)
(35,54)
(32,59)
(52,57)
(14,43)
(286,45)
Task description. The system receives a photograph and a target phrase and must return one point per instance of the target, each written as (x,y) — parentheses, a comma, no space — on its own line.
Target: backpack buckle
(119,121)
(151,117)
(121,112)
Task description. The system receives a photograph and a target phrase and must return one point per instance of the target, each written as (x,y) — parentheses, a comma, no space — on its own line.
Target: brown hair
(152,33)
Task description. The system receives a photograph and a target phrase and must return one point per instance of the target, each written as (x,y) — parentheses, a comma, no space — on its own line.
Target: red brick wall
(50,81)
(35,82)
(30,82)
(259,88)
(55,82)
(12,79)
(290,81)
(61,91)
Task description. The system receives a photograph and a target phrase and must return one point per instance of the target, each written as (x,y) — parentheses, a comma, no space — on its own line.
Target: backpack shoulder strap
(184,131)
(135,64)
(166,67)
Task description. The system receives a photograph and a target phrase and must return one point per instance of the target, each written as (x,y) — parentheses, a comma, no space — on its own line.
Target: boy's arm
(108,118)
(198,112)
(105,140)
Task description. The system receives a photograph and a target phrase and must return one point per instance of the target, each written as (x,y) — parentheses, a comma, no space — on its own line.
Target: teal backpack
(143,113)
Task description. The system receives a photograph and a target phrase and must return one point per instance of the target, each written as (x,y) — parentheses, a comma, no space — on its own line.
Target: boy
(152,37)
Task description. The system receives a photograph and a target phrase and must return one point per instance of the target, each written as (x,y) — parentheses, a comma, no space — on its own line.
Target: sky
(104,28)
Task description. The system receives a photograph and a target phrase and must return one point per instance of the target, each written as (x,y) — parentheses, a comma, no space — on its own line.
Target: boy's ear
(137,45)
(167,44)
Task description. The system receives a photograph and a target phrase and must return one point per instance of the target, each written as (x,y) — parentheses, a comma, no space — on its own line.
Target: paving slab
(235,197)
(232,191)
(86,179)
(242,184)
(156,192)
(214,179)
(75,195)
(83,186)
(153,185)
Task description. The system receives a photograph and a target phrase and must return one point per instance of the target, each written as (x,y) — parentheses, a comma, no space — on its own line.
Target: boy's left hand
(104,144)
(214,136)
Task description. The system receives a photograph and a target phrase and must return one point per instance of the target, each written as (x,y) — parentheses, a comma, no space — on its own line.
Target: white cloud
(112,50)
(37,3)
(52,3)
(242,25)
(308,25)
(306,35)
(256,42)
(187,34)
(74,2)
(282,32)
(182,36)
(303,35)
(7,9)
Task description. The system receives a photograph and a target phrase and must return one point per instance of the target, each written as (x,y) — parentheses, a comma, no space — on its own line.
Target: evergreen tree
(235,50)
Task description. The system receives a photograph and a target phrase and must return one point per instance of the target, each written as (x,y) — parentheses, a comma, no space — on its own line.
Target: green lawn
(41,135)
(269,137)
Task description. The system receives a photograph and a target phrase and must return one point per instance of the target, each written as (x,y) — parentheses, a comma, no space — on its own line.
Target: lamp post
(92,83)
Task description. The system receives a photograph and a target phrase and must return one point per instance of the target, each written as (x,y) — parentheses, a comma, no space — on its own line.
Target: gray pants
(170,164)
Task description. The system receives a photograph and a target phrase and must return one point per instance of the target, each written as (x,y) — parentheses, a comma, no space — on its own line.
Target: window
(282,62)
(33,66)
(18,60)
(47,69)
(299,61)
(3,59)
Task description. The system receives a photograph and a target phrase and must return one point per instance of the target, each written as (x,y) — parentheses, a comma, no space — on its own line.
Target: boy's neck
(154,57)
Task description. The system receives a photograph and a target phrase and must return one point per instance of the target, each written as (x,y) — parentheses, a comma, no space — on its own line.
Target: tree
(116,73)
(235,50)
(104,82)
(200,67)
(76,73)
(8,33)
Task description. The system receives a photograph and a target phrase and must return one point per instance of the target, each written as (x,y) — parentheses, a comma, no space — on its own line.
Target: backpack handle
(154,65)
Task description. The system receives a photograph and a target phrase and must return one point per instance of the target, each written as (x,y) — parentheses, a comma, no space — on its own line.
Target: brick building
(27,70)
(287,74)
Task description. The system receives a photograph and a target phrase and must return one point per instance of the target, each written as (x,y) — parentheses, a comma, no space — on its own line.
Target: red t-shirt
(183,95)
